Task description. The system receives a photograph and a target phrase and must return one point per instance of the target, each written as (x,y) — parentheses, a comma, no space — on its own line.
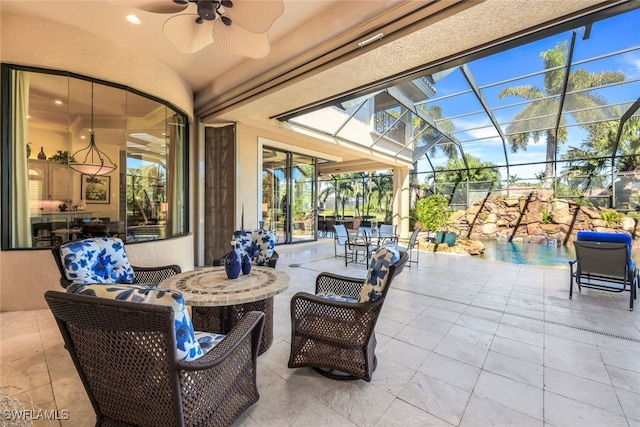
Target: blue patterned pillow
(188,347)
(244,243)
(264,243)
(378,275)
(97,260)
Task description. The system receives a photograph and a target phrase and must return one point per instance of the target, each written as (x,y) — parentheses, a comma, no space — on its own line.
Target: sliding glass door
(289,195)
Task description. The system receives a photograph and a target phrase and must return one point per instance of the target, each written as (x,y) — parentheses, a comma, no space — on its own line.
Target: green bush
(432,212)
(546,217)
(612,217)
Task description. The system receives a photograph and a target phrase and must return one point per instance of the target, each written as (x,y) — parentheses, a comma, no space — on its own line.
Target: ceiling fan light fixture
(238,27)
(207,9)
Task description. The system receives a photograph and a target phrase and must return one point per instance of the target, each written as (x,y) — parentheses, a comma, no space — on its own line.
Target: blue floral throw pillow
(378,275)
(97,260)
(188,347)
(264,243)
(244,243)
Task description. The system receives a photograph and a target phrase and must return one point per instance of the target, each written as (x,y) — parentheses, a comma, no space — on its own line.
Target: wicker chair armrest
(154,275)
(248,330)
(340,285)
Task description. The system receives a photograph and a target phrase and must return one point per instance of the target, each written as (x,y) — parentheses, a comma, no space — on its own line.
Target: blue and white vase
(246,264)
(232,263)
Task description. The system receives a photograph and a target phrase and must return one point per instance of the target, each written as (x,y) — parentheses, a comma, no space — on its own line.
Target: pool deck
(461,342)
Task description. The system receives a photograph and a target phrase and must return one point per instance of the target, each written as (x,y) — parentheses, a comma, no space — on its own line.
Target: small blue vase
(246,264)
(232,264)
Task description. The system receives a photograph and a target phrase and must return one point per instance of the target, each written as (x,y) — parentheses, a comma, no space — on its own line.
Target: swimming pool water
(531,253)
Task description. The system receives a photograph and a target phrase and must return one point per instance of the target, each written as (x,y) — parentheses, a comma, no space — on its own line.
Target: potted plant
(432,213)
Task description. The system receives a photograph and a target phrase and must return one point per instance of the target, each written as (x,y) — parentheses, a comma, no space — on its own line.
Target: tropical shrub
(432,212)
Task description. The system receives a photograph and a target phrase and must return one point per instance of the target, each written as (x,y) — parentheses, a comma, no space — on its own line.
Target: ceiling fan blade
(186,34)
(237,41)
(255,16)
(157,6)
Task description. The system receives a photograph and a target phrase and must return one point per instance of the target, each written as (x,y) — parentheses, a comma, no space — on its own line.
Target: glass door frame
(283,208)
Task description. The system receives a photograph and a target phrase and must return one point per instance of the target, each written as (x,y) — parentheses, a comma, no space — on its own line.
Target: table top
(210,287)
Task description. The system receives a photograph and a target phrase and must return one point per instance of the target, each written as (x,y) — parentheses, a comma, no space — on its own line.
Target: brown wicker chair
(337,338)
(143,275)
(125,354)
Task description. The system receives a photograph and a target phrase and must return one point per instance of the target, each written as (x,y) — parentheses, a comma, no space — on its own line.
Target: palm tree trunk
(552,145)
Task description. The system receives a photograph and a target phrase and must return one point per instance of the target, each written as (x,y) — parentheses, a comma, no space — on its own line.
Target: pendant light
(93,159)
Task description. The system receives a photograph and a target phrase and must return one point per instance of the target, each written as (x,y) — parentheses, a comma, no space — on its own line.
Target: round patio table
(219,303)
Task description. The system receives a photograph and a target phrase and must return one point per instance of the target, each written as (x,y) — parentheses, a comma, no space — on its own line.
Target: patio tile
(560,411)
(358,402)
(629,402)
(408,355)
(402,414)
(583,390)
(624,379)
(436,397)
(576,358)
(452,351)
(516,369)
(477,323)
(511,394)
(451,371)
(482,412)
(419,337)
(518,350)
(463,350)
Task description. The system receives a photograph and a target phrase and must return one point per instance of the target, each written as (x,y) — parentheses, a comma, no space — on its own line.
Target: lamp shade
(92,169)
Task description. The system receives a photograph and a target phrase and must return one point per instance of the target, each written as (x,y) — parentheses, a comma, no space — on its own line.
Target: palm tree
(538,118)
(594,154)
(428,135)
(383,190)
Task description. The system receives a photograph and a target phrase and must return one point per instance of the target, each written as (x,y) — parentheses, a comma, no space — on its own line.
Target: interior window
(57,126)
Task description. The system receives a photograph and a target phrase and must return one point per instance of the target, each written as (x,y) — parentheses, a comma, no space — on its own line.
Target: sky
(618,34)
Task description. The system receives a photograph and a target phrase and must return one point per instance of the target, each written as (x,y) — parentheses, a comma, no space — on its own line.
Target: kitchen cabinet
(50,180)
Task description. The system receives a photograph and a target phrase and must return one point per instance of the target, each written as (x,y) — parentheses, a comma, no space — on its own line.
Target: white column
(401,198)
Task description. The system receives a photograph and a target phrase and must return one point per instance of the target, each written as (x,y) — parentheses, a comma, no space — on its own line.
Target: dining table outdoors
(366,240)
(219,303)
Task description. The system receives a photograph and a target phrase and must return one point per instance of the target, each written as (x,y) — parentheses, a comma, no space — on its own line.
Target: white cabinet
(50,180)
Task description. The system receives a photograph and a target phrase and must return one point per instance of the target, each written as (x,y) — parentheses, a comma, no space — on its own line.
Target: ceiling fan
(237,27)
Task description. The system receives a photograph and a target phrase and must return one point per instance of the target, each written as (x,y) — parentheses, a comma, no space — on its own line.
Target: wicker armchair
(125,353)
(141,275)
(335,335)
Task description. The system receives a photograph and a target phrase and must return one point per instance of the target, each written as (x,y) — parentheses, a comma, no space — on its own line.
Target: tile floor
(461,342)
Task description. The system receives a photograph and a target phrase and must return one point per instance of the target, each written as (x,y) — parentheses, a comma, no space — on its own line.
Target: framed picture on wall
(96,189)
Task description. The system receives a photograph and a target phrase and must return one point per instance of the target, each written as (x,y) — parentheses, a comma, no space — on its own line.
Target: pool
(531,253)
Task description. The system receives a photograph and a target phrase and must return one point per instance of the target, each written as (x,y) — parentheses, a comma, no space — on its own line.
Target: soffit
(443,38)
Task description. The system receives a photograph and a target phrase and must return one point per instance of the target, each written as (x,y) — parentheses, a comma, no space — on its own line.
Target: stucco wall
(44,44)
(26,274)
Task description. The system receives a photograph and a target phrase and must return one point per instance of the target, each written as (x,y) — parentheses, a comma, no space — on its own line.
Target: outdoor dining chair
(340,238)
(411,244)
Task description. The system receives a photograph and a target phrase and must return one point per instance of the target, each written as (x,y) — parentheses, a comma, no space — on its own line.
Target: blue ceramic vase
(246,264)
(232,264)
